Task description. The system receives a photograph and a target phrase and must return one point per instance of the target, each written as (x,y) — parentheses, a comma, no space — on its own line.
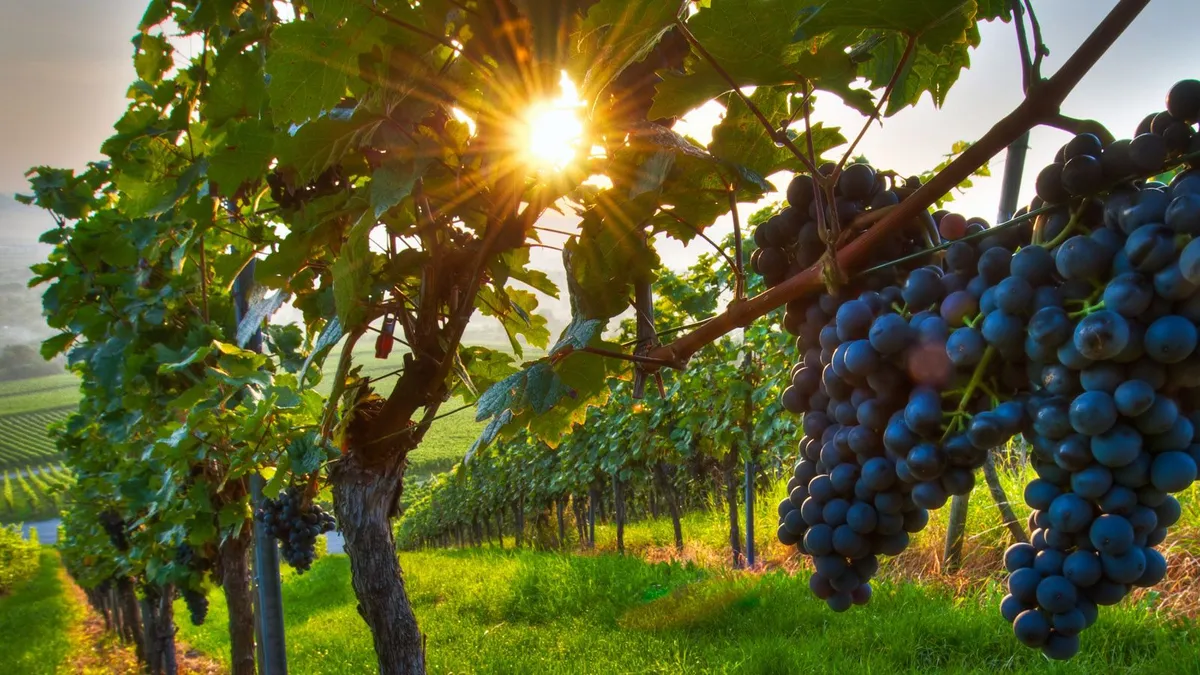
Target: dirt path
(96,652)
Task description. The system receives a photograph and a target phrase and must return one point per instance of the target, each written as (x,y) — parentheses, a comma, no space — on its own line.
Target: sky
(65,66)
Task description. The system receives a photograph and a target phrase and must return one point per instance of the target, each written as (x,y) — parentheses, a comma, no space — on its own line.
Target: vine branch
(1041,104)
(1027,74)
(739,271)
(1078,126)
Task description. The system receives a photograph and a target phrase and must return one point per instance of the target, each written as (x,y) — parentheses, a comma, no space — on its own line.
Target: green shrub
(18,558)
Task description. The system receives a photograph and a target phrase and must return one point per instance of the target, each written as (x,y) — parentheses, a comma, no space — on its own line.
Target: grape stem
(1043,101)
(1066,232)
(1087,309)
(975,383)
(1078,126)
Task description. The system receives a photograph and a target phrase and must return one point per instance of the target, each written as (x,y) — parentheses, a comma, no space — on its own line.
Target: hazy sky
(65,66)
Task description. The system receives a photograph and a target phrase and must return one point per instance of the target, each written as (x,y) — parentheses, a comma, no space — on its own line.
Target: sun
(551,132)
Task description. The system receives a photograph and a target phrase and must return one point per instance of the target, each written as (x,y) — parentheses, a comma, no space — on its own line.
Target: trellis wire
(971,237)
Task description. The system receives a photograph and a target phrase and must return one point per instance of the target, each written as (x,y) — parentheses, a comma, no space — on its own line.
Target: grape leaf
(321,143)
(238,88)
(52,347)
(610,254)
(351,274)
(242,157)
(152,56)
(754,48)
(614,34)
(393,182)
(938,22)
(308,65)
(306,453)
(740,138)
(516,311)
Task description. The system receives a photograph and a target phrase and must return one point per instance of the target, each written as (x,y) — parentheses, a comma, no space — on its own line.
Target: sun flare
(552,131)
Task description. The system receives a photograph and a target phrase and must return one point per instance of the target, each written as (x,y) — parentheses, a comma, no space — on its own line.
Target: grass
(488,611)
(36,622)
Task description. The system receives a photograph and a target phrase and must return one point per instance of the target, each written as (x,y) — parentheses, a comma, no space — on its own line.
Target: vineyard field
(24,440)
(37,398)
(32,493)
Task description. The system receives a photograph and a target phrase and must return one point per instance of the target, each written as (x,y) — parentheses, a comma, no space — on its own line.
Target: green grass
(36,622)
(487,611)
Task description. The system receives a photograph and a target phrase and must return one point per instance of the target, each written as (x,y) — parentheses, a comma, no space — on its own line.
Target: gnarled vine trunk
(131,620)
(668,492)
(158,621)
(235,582)
(364,498)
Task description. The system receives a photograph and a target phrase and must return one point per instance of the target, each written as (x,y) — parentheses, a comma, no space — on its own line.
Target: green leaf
(276,482)
(329,337)
(516,311)
(482,368)
(152,56)
(321,143)
(242,157)
(489,434)
(741,139)
(514,264)
(615,34)
(309,66)
(169,364)
(610,255)
(351,274)
(393,182)
(232,514)
(755,47)
(52,347)
(156,12)
(938,22)
(238,88)
(306,453)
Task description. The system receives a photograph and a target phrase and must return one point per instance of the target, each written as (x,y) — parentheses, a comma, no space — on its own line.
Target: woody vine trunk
(235,582)
(363,499)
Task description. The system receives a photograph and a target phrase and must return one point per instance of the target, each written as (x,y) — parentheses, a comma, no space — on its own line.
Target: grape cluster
(296,523)
(115,527)
(197,604)
(1077,330)
(198,565)
(1115,407)
(291,196)
(897,405)
(791,240)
